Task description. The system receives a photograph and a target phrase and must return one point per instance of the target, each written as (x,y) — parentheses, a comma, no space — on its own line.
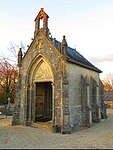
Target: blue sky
(87,24)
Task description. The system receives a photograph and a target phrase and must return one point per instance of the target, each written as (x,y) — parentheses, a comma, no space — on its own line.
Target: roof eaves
(83,65)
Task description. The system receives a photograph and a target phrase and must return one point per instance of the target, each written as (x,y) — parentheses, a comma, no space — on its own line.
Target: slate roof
(108,96)
(75,57)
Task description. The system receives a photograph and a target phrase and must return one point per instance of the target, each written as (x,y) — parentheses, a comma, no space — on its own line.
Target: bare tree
(9,72)
(12,52)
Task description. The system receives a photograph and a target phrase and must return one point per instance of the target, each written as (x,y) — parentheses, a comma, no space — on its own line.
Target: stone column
(16,113)
(53,110)
(88,104)
(30,90)
(33,102)
(27,107)
(24,105)
(65,115)
(98,102)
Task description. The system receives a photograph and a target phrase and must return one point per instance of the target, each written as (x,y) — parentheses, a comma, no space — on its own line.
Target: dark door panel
(43,109)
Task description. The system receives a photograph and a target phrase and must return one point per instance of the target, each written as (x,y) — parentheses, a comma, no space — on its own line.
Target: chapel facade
(56,84)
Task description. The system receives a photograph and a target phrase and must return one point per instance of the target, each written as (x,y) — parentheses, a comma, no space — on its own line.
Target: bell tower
(42,16)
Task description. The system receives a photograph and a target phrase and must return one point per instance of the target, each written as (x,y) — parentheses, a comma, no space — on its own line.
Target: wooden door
(40,105)
(43,108)
(40,92)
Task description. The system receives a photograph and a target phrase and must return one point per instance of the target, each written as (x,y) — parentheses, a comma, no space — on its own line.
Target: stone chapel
(56,84)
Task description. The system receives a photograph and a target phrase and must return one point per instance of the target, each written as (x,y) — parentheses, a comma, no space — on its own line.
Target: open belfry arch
(56,84)
(41,17)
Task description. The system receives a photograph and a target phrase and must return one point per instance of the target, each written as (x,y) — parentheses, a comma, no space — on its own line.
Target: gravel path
(100,135)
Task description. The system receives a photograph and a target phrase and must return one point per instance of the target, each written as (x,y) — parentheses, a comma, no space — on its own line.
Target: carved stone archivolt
(43,72)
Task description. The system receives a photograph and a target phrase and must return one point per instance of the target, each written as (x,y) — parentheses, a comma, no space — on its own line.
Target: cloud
(103,58)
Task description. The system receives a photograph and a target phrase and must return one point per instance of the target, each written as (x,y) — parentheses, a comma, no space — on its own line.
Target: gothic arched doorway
(41,96)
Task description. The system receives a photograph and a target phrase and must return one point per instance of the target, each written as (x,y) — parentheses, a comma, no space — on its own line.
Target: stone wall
(80,79)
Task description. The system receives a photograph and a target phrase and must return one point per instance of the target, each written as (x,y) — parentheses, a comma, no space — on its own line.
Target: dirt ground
(99,136)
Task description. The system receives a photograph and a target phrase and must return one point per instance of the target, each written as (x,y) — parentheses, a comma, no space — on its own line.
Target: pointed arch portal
(41,79)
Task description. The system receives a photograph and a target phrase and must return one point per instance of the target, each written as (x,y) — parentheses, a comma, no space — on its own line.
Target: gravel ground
(100,135)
